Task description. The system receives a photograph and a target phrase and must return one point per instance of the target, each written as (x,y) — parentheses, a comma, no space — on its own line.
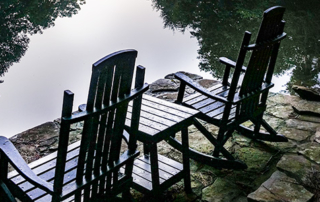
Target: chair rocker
(95,168)
(228,105)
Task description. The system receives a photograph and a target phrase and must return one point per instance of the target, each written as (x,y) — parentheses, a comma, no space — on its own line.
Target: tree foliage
(18,18)
(219,26)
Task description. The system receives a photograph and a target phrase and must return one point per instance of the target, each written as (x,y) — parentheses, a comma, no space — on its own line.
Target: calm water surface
(61,57)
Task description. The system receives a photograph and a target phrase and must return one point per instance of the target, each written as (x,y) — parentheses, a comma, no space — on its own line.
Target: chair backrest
(271,27)
(262,60)
(104,121)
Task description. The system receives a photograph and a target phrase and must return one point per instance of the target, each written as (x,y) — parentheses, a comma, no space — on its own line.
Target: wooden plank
(202,97)
(46,171)
(197,95)
(216,112)
(172,109)
(225,93)
(231,116)
(70,188)
(211,108)
(142,128)
(50,174)
(168,165)
(203,103)
(161,115)
(168,170)
(150,123)
(67,179)
(219,113)
(45,159)
(147,167)
(169,104)
(170,162)
(156,116)
(43,166)
(145,174)
(163,103)
(138,180)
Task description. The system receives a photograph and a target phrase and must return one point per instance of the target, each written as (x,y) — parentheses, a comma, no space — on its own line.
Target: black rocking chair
(228,105)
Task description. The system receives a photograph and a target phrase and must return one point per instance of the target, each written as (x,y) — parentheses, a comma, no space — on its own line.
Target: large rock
(43,139)
(280,187)
(36,141)
(207,83)
(310,118)
(295,134)
(168,96)
(316,137)
(284,147)
(164,85)
(306,93)
(221,191)
(311,151)
(305,107)
(194,77)
(280,111)
(302,125)
(255,158)
(297,166)
(277,98)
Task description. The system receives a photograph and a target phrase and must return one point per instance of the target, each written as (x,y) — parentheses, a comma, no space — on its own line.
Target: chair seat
(45,168)
(211,108)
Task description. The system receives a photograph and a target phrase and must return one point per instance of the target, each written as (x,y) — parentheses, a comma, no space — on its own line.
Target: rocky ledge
(287,171)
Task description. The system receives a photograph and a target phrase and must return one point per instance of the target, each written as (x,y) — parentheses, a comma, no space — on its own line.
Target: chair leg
(208,159)
(229,163)
(153,155)
(218,146)
(126,195)
(212,139)
(145,149)
(257,124)
(186,161)
(5,193)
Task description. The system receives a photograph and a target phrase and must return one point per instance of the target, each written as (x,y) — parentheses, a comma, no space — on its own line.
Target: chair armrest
(231,63)
(15,159)
(237,98)
(112,105)
(268,43)
(185,79)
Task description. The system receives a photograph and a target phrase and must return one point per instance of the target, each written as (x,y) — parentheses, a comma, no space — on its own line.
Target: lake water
(62,56)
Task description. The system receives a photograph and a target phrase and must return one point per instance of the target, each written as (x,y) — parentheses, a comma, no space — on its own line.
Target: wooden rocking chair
(88,170)
(228,105)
